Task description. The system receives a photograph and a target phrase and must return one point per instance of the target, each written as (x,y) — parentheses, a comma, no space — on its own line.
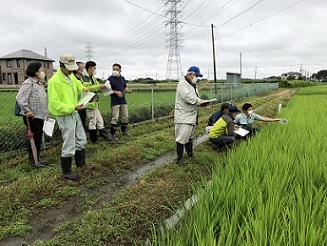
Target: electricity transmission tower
(88,51)
(174,64)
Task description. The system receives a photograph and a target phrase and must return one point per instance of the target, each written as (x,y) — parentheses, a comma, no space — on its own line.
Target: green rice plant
(272,189)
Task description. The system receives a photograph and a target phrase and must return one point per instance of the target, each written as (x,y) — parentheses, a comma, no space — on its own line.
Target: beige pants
(184,133)
(95,119)
(121,110)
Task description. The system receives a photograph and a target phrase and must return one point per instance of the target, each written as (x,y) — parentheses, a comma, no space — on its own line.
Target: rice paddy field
(271,189)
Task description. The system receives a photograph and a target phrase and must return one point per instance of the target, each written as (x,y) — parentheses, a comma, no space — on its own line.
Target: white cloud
(121,32)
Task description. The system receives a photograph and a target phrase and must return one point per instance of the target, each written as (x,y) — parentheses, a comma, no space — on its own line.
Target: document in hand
(48,126)
(107,91)
(241,132)
(209,100)
(85,98)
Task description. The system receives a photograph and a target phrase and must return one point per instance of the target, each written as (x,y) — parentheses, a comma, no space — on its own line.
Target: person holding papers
(247,118)
(187,106)
(222,132)
(32,100)
(78,75)
(92,109)
(63,90)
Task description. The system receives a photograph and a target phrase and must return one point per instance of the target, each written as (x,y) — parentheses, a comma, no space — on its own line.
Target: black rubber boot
(113,133)
(66,166)
(93,136)
(124,130)
(180,150)
(41,164)
(80,160)
(104,134)
(189,149)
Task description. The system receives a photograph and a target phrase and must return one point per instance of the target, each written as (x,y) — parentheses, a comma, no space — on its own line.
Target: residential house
(13,66)
(295,75)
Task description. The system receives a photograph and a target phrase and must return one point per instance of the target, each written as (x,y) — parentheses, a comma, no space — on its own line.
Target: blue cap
(233,109)
(196,70)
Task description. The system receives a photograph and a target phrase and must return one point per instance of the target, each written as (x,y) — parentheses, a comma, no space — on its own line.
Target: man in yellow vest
(92,109)
(63,90)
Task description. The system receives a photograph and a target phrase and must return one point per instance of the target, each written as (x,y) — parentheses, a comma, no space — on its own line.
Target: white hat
(68,60)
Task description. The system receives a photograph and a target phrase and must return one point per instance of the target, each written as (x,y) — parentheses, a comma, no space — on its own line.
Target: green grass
(135,101)
(29,192)
(272,189)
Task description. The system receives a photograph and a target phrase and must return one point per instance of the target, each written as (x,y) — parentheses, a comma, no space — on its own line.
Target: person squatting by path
(63,90)
(32,100)
(187,105)
(247,118)
(222,132)
(92,109)
(118,101)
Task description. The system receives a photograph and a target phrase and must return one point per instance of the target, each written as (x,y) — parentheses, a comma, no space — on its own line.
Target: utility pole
(214,58)
(241,64)
(255,73)
(174,64)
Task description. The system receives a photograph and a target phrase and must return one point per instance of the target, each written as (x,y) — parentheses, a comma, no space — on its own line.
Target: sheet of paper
(48,126)
(241,132)
(107,91)
(85,98)
(209,100)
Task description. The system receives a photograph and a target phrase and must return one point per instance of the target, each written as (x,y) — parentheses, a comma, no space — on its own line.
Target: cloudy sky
(274,36)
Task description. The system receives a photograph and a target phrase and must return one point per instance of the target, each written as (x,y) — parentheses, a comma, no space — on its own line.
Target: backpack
(17,109)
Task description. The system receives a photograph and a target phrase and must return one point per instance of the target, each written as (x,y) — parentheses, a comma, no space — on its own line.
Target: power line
(239,14)
(277,12)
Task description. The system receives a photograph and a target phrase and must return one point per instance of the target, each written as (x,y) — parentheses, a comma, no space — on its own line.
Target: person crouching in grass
(222,133)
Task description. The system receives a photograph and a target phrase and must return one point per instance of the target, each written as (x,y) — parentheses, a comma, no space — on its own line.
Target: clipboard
(85,98)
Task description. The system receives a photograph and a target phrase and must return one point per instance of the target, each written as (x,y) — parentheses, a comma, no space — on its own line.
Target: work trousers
(37,129)
(73,134)
(119,110)
(222,140)
(95,119)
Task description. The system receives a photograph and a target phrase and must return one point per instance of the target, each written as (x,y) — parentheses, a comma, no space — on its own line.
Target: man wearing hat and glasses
(222,133)
(63,90)
(186,113)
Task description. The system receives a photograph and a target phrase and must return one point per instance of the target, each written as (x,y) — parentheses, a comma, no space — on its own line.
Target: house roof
(27,54)
(291,73)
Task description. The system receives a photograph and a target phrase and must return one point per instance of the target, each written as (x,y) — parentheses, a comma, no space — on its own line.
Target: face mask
(250,112)
(42,75)
(194,80)
(85,73)
(95,72)
(115,73)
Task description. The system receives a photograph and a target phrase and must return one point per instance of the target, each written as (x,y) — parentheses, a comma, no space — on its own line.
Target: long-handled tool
(30,135)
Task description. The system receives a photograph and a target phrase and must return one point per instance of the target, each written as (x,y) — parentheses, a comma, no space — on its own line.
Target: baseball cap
(233,109)
(68,60)
(196,70)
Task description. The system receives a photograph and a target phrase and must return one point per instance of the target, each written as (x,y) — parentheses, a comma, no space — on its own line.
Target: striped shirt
(32,97)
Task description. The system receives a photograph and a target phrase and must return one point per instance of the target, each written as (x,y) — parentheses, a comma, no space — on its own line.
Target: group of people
(65,88)
(221,124)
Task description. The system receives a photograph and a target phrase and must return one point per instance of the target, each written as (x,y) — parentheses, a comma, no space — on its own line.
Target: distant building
(13,66)
(295,75)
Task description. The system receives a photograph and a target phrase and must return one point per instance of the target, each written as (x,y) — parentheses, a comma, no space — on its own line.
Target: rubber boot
(104,134)
(180,150)
(80,160)
(189,149)
(124,130)
(93,136)
(41,164)
(113,133)
(66,166)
